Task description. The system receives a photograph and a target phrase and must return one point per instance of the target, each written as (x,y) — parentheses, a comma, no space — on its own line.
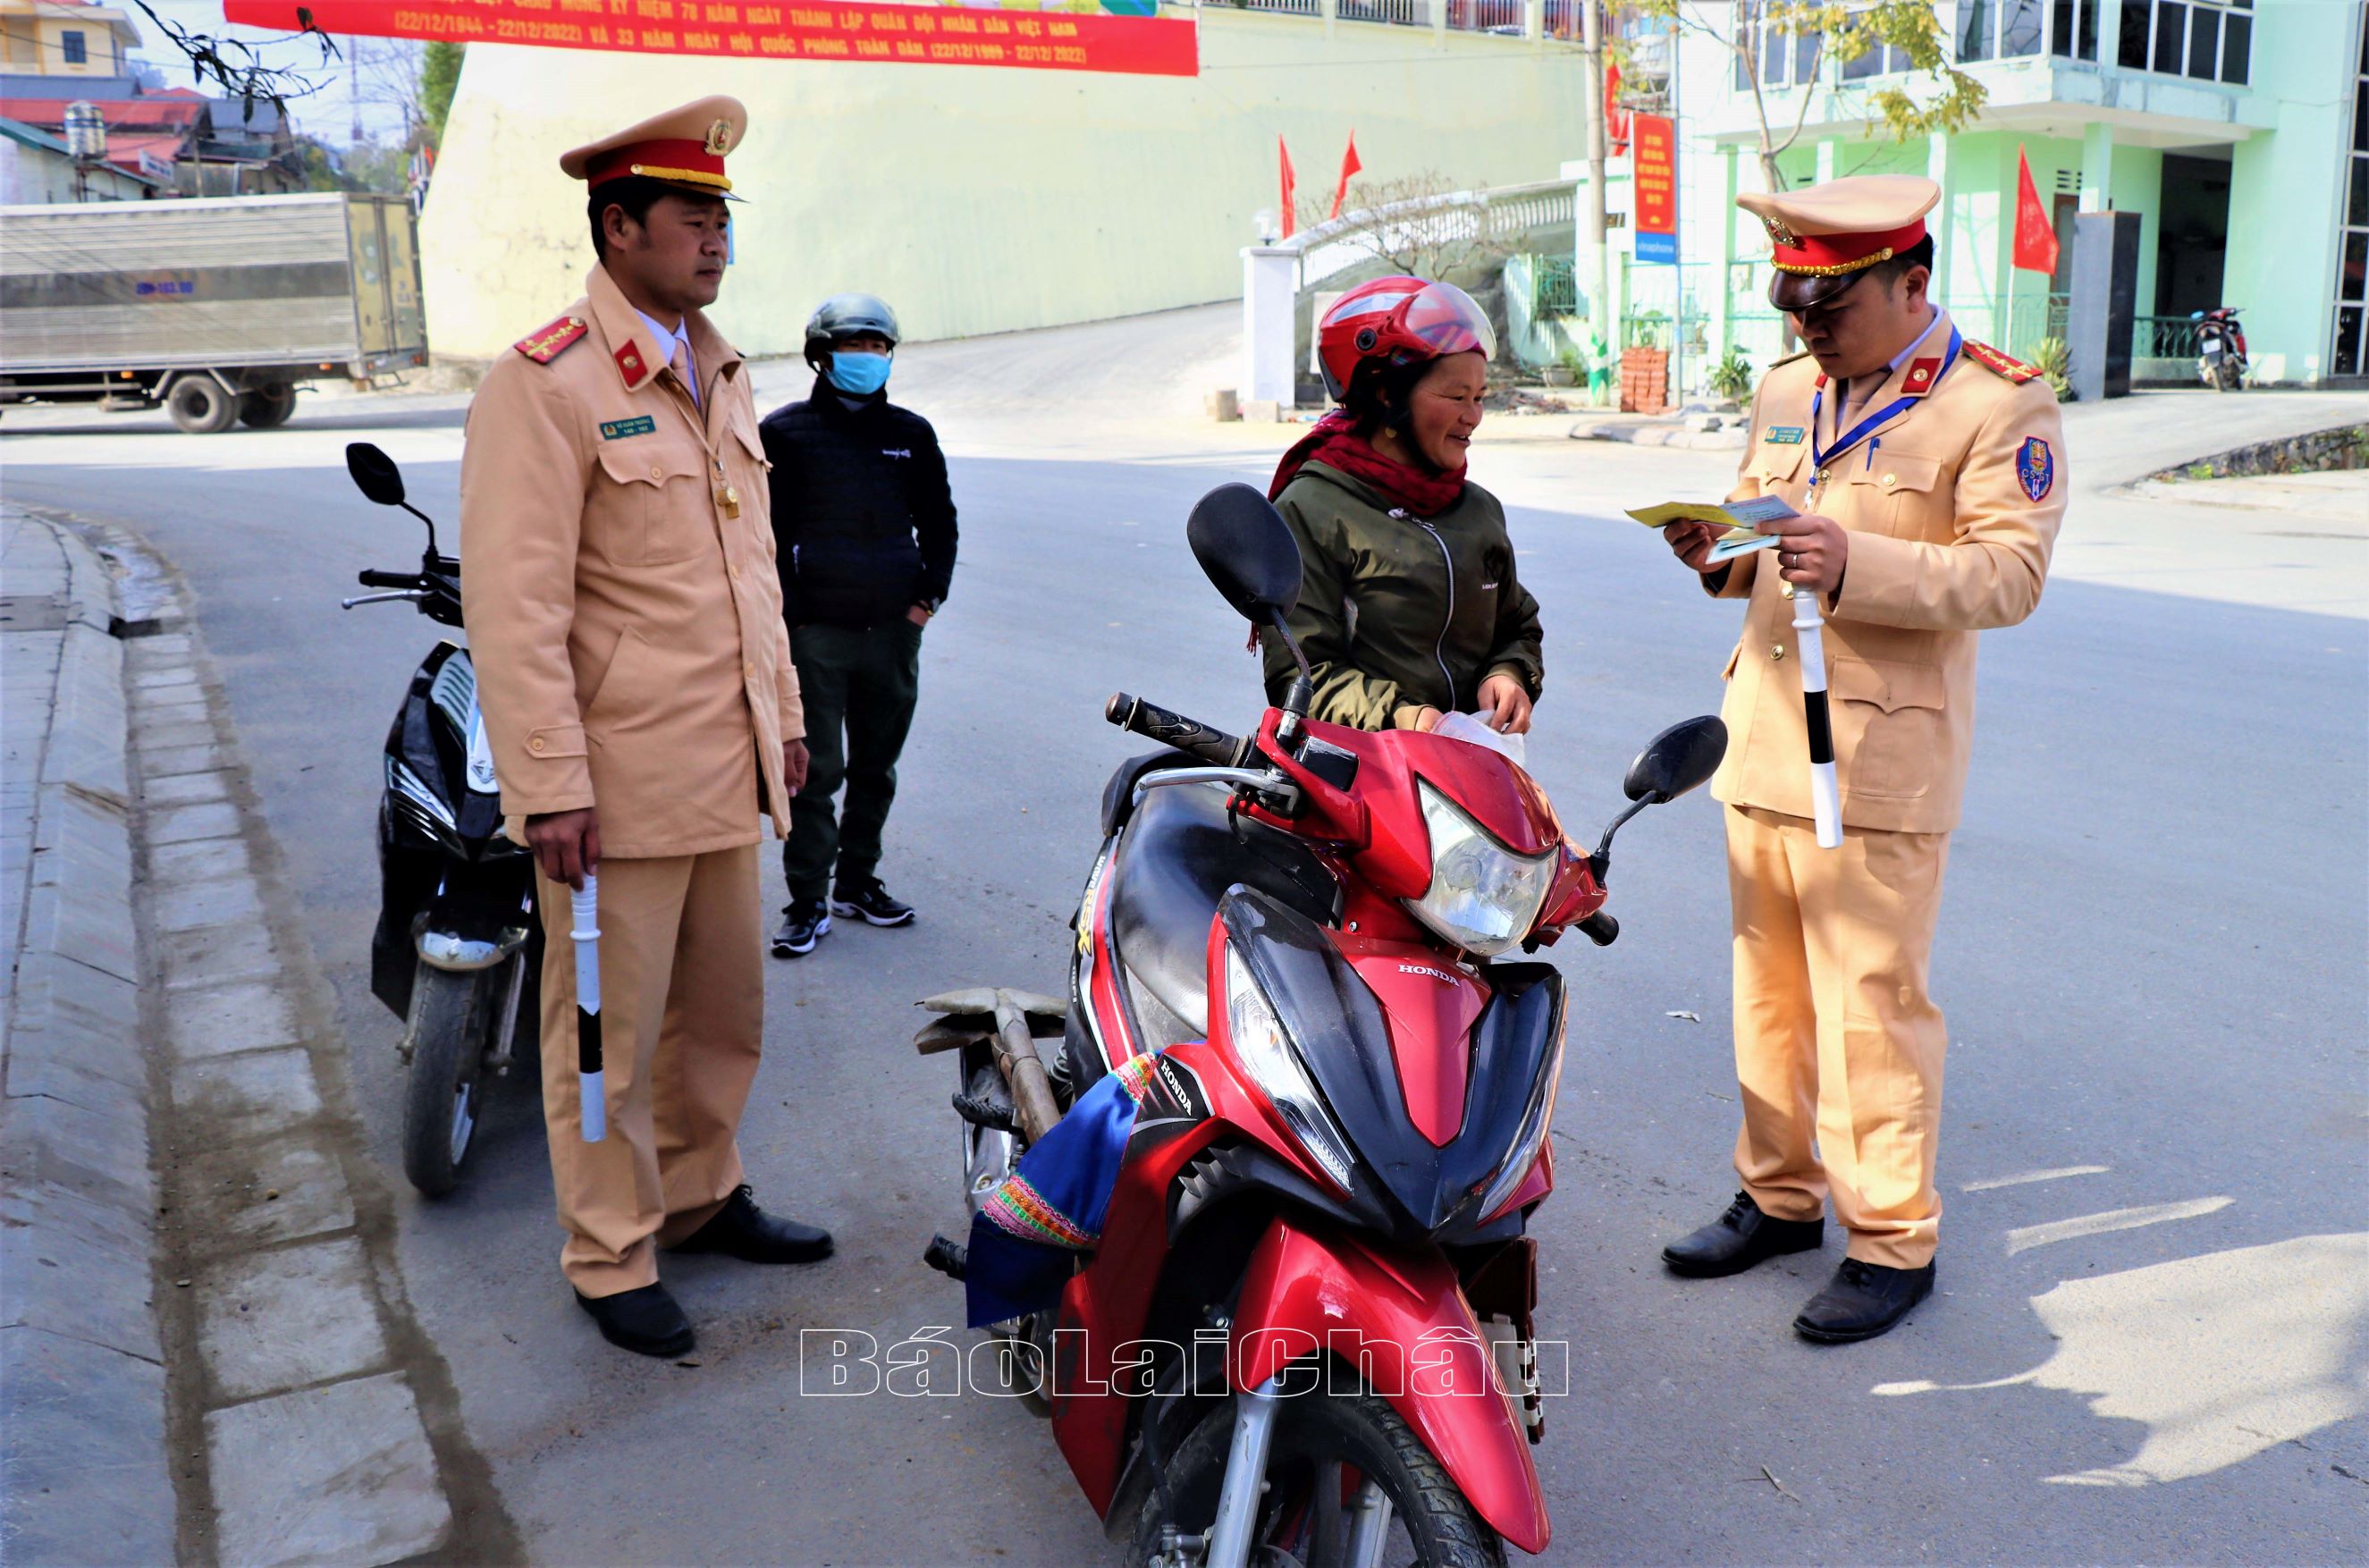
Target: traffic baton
(1825,801)
(592,1106)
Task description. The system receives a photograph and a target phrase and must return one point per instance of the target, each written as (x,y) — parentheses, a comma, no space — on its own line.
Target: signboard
(1654,176)
(1146,44)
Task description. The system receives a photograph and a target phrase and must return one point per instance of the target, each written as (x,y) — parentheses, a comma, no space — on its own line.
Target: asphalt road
(2151,1341)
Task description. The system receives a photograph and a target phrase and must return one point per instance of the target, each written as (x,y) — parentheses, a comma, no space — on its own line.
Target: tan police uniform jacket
(1953,503)
(619,587)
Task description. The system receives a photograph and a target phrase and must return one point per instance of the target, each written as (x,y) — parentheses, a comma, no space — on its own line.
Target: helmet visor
(1449,321)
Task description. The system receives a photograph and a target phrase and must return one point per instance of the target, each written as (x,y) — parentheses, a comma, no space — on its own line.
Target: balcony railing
(1558,19)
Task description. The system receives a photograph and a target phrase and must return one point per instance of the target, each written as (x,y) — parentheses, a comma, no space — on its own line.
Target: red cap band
(1829,254)
(681,160)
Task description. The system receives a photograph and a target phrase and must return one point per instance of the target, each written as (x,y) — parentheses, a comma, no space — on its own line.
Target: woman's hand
(1508,704)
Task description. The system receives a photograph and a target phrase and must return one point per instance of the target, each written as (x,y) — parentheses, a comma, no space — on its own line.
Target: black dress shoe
(646,1322)
(741,1229)
(1861,1301)
(1740,1238)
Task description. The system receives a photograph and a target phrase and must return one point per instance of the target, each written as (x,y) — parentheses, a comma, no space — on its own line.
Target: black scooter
(458,951)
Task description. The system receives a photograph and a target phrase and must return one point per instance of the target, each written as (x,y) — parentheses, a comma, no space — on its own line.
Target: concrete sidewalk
(83,1386)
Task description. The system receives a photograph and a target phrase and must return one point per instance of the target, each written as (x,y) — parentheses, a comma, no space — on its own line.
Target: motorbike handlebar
(1192,736)
(1601,928)
(369,579)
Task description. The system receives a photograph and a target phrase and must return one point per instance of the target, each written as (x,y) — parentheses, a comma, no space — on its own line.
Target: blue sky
(327,114)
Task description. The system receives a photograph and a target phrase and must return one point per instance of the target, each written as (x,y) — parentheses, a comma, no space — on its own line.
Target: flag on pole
(1349,166)
(2035,236)
(1289,188)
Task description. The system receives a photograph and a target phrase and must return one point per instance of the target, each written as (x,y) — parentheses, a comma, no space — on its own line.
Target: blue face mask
(859,375)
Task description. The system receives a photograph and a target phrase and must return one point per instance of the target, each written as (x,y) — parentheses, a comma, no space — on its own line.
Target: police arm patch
(2036,468)
(549,343)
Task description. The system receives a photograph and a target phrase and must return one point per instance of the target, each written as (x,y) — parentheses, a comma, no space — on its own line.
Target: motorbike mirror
(375,474)
(1247,551)
(1681,758)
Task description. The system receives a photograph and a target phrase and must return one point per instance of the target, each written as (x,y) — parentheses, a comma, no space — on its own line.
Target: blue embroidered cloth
(1025,1238)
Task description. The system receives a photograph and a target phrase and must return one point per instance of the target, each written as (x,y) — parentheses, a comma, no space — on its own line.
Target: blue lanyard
(1819,456)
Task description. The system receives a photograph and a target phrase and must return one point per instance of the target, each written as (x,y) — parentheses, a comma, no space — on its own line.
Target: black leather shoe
(741,1229)
(1740,1238)
(646,1322)
(1862,1300)
(871,903)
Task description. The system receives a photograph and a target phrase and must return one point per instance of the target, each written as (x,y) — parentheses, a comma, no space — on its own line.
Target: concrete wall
(975,199)
(2287,190)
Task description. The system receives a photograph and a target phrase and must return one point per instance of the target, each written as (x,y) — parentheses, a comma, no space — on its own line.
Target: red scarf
(1335,443)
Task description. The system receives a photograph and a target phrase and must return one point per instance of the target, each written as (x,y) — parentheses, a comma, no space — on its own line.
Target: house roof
(33,136)
(150,112)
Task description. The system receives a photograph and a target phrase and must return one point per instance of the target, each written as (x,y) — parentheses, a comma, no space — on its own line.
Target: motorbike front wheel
(1330,1455)
(443,1099)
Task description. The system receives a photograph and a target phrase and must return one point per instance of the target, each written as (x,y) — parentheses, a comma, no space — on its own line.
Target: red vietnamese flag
(2035,236)
(1349,166)
(1290,186)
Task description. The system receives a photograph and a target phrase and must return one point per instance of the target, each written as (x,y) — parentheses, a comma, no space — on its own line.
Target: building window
(2002,30)
(1878,60)
(76,51)
(2349,355)
(1779,59)
(2077,29)
(2208,40)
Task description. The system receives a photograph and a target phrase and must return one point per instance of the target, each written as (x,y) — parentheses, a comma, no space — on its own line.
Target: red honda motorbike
(1304,1337)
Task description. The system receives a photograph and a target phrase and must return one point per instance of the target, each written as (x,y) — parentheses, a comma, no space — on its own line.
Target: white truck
(217,309)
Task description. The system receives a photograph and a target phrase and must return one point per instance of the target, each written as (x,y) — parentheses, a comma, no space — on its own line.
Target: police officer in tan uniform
(1929,472)
(621,597)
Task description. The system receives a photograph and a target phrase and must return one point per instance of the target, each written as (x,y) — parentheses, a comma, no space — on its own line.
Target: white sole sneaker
(783,948)
(853,912)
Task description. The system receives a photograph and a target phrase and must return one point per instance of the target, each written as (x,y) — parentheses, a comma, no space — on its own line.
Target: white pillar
(1270,290)
(2097,166)
(1330,11)
(1534,21)
(1723,256)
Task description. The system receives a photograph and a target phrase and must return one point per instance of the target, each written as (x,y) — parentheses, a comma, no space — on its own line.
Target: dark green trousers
(858,687)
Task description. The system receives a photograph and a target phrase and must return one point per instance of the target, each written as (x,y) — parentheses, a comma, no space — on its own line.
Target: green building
(2237,130)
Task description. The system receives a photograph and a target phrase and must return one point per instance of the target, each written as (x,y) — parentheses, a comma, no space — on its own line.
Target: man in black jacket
(865,524)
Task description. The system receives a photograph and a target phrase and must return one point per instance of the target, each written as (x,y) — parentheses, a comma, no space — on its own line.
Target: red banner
(887,34)
(1654,177)
(2035,236)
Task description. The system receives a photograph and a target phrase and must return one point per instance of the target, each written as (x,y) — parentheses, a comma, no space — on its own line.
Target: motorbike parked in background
(2220,347)
(458,951)
(1333,1167)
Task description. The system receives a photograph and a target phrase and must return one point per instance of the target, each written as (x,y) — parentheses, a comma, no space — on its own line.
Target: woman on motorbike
(1409,606)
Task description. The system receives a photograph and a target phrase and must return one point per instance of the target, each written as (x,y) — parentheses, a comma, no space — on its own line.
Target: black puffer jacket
(862,511)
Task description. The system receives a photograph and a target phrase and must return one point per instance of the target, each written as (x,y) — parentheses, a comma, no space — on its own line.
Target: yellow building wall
(975,199)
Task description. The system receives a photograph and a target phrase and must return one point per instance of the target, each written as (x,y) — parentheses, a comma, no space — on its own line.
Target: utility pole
(1591,231)
(354,89)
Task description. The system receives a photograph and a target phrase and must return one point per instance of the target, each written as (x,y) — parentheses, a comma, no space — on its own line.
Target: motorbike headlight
(1268,1053)
(1536,1118)
(1483,897)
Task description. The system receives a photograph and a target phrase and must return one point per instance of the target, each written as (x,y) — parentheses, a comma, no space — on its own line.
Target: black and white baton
(1808,640)
(592,1107)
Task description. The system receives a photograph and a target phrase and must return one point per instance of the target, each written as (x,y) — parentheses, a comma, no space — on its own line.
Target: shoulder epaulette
(549,343)
(1789,359)
(1990,358)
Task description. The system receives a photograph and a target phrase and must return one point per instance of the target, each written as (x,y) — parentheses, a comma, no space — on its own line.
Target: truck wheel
(200,405)
(443,1096)
(268,407)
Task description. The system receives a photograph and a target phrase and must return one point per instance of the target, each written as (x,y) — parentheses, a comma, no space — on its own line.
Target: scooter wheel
(443,1097)
(1322,1439)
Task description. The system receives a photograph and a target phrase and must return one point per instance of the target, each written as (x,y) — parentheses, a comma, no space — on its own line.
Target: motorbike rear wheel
(442,1098)
(1323,1443)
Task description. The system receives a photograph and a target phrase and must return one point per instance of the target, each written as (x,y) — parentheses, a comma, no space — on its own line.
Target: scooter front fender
(1403,1322)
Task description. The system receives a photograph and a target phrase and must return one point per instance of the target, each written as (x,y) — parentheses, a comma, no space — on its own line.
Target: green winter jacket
(1397,612)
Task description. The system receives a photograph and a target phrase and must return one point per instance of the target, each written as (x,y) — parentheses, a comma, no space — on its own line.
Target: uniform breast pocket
(655,509)
(1903,495)
(1887,724)
(1774,465)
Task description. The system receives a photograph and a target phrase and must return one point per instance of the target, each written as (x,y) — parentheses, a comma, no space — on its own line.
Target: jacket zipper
(1440,647)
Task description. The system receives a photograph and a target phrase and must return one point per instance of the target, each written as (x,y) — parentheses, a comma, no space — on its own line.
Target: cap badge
(720,138)
(1779,234)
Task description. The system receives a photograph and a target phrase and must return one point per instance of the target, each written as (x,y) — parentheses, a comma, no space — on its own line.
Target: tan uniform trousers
(683,1014)
(1836,1038)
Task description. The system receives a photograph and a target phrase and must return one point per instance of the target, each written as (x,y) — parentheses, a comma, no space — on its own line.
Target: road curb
(83,1470)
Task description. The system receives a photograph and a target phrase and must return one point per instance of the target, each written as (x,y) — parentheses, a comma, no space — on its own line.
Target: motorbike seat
(1179,856)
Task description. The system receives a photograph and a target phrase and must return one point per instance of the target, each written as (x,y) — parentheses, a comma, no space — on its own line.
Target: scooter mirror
(374,473)
(1679,759)
(1247,551)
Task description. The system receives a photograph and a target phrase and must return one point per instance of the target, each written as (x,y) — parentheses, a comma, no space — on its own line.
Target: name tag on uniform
(642,425)
(1782,435)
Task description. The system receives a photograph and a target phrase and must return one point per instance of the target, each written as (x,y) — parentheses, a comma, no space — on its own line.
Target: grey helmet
(843,315)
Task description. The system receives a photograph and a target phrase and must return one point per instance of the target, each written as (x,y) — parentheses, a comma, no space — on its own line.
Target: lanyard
(1819,456)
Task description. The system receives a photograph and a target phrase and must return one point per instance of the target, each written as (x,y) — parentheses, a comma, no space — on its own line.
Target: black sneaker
(871,903)
(805,922)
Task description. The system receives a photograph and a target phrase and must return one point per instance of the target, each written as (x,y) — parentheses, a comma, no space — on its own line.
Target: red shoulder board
(549,343)
(1990,358)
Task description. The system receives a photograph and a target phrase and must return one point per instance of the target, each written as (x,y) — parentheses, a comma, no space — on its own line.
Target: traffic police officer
(1929,472)
(619,587)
